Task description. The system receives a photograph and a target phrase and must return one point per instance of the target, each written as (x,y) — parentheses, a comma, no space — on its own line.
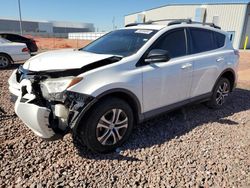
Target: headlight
(53,88)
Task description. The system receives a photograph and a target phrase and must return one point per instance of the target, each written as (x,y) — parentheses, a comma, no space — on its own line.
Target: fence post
(246,42)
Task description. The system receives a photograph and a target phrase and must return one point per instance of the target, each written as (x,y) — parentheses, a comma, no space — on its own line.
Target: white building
(86,35)
(233,17)
(44,27)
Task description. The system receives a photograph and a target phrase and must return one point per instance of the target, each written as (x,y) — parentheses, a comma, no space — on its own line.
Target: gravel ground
(192,147)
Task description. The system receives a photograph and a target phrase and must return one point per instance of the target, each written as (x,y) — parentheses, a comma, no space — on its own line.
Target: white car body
(152,88)
(14,50)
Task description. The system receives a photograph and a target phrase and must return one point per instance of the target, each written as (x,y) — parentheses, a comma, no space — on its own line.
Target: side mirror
(157,56)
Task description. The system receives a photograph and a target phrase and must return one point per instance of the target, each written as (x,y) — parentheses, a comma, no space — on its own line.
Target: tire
(4,61)
(220,93)
(107,126)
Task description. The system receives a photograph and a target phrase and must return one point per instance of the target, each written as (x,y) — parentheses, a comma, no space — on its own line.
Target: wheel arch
(120,93)
(127,96)
(3,53)
(230,75)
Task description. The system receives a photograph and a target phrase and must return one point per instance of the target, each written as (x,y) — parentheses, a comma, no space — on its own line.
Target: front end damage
(49,115)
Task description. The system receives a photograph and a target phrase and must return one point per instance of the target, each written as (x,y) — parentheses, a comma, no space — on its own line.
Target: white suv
(101,91)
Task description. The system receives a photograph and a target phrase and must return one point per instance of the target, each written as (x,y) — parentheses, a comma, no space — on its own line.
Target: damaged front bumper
(48,119)
(36,118)
(54,121)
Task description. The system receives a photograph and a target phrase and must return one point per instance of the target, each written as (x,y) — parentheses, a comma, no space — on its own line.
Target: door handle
(220,59)
(186,66)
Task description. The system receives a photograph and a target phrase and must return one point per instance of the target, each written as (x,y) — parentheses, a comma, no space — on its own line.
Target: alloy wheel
(222,93)
(112,127)
(4,61)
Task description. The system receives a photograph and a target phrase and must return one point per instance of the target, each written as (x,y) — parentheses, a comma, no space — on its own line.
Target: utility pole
(20,18)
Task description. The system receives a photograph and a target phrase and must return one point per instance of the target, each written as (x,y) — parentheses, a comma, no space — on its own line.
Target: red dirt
(244,69)
(58,43)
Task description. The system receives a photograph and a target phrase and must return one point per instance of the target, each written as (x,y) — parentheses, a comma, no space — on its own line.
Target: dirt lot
(244,69)
(58,43)
(192,147)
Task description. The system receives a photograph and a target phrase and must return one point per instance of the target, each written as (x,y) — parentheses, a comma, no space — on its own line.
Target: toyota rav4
(101,91)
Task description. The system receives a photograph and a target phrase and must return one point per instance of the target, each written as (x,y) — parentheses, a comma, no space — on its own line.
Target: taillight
(25,50)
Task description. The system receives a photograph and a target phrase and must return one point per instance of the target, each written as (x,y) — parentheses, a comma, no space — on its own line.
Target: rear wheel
(107,126)
(220,93)
(4,61)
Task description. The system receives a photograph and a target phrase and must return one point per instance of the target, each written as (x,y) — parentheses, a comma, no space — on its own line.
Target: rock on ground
(193,147)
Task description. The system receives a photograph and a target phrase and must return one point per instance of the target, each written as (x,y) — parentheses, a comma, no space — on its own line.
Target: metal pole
(20,18)
(246,42)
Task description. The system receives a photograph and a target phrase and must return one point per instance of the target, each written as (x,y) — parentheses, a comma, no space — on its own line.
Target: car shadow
(175,124)
(12,66)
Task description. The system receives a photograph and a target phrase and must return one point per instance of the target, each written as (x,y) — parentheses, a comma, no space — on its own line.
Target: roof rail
(162,20)
(135,24)
(179,21)
(189,21)
(209,24)
(150,22)
(174,22)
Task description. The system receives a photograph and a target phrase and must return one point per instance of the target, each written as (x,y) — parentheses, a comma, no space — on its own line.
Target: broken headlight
(53,88)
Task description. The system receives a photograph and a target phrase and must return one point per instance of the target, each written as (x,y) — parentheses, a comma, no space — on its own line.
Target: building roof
(211,2)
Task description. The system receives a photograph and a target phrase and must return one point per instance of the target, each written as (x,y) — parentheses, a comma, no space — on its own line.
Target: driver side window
(174,42)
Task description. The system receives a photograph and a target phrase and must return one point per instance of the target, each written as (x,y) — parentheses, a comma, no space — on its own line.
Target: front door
(166,83)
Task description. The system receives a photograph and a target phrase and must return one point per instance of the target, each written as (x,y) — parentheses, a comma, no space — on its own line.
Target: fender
(226,70)
(122,90)
(119,92)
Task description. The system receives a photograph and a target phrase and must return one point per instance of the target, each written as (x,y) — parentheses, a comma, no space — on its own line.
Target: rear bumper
(20,57)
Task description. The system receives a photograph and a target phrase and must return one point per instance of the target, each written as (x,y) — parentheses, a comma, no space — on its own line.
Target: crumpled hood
(62,60)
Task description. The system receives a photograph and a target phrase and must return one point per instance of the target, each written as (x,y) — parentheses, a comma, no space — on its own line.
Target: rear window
(202,40)
(219,39)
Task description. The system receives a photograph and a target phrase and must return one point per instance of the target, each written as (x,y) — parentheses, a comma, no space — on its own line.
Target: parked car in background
(11,52)
(31,43)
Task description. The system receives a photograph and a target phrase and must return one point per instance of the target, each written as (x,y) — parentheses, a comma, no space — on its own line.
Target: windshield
(120,42)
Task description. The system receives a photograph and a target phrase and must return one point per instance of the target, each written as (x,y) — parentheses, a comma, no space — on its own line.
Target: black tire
(90,128)
(5,61)
(220,93)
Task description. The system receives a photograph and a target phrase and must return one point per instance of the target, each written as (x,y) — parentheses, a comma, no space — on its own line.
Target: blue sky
(99,12)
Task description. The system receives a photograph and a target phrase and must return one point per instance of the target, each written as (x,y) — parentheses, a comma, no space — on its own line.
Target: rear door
(208,59)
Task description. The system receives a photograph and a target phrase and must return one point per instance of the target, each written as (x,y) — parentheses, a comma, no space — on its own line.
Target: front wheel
(107,126)
(220,93)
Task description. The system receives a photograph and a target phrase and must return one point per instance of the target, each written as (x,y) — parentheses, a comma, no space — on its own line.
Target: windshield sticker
(144,31)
